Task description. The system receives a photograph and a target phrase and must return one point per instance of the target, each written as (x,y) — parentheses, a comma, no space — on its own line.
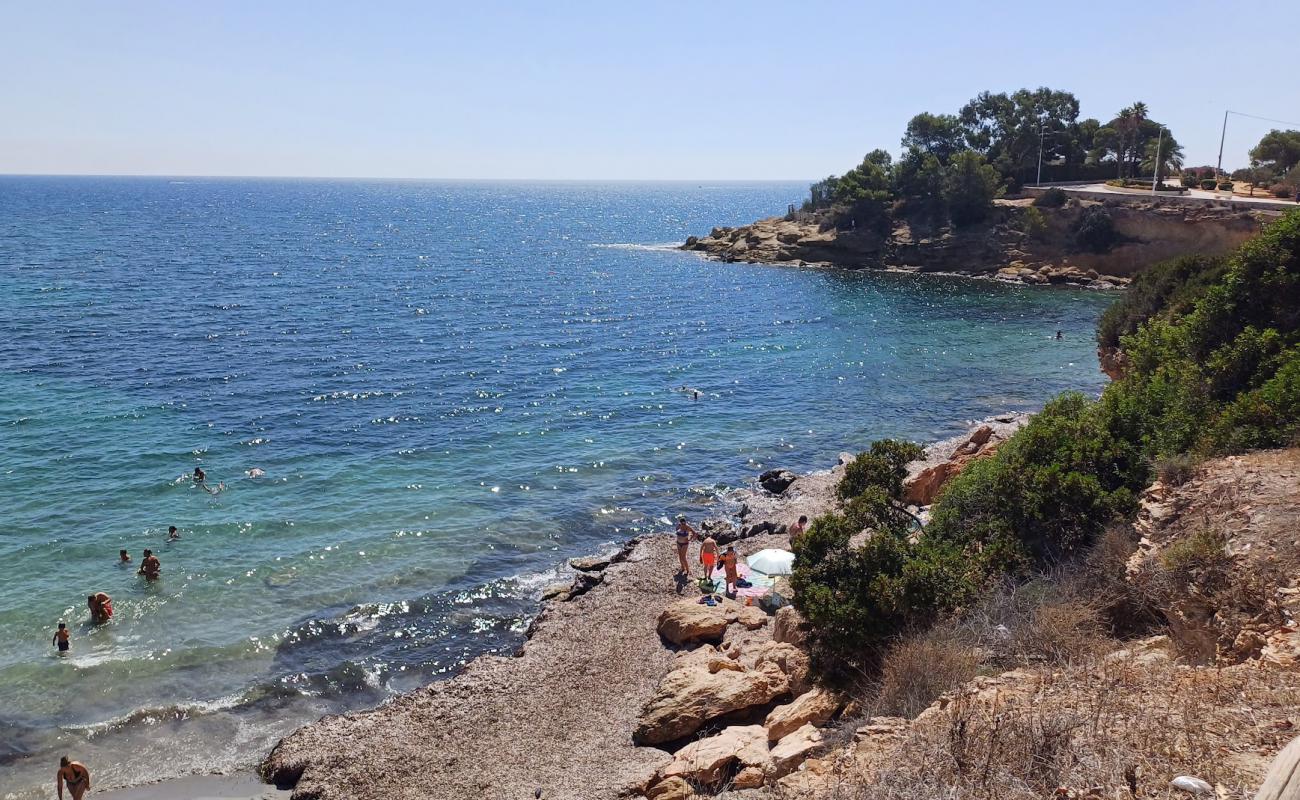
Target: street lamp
(1155,177)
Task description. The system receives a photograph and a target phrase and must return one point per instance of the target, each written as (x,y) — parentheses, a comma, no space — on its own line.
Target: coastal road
(1201,194)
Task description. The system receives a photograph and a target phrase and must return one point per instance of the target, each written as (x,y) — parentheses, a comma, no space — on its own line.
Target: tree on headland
(969,188)
(1008,129)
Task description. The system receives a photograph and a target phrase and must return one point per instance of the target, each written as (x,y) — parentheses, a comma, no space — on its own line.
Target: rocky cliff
(1020,242)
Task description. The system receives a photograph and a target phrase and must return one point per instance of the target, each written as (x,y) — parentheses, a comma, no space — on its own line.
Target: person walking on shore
(151,566)
(684,535)
(62,638)
(75,775)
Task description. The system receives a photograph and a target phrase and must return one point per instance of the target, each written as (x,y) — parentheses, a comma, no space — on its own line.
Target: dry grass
(917,670)
(1119,727)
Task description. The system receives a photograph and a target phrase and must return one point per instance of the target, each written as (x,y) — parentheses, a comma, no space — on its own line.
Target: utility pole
(1219,169)
(1155,177)
(1040,152)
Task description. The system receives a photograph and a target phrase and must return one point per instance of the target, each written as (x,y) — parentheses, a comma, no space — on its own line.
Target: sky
(601,90)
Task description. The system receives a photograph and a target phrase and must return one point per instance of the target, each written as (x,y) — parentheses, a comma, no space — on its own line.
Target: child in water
(61,639)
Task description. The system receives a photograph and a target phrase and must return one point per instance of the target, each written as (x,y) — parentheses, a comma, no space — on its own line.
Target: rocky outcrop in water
(1020,243)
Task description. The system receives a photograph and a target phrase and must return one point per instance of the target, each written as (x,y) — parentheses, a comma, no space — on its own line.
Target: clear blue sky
(613,89)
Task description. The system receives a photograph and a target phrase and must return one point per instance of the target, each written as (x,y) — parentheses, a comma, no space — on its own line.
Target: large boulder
(791,751)
(712,760)
(814,707)
(690,621)
(776,481)
(703,685)
(789,626)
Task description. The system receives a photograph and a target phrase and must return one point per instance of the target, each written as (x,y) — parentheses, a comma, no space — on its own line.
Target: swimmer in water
(61,639)
(199,476)
(123,557)
(256,472)
(173,534)
(151,567)
(1058,336)
(101,607)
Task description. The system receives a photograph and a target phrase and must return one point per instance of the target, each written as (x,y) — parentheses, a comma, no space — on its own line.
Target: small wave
(659,248)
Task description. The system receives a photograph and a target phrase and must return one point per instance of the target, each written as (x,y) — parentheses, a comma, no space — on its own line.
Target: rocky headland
(1020,242)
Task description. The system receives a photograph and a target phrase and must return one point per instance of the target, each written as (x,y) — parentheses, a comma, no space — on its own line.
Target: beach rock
(674,788)
(584,582)
(589,563)
(924,488)
(690,621)
(703,685)
(1283,779)
(789,626)
(977,440)
(709,761)
(776,481)
(813,707)
(792,661)
(555,590)
(791,751)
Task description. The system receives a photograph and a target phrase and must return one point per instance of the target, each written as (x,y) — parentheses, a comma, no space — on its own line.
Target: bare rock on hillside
(923,488)
(789,626)
(814,707)
(703,685)
(791,751)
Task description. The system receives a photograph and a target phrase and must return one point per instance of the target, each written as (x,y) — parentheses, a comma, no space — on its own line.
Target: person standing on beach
(730,570)
(75,775)
(61,638)
(709,556)
(798,529)
(151,566)
(684,535)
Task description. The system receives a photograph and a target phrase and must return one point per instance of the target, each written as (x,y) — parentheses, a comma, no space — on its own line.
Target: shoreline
(632,568)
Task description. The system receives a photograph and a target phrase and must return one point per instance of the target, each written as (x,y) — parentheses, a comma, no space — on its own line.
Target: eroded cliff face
(1020,242)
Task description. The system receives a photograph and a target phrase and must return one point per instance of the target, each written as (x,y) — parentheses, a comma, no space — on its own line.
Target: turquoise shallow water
(450,387)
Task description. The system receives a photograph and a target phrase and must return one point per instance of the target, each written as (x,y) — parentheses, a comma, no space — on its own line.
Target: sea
(413,402)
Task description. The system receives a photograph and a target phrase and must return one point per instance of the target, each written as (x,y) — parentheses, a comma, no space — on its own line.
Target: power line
(1265,119)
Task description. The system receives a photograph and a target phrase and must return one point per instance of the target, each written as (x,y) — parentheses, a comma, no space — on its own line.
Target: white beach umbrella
(771,561)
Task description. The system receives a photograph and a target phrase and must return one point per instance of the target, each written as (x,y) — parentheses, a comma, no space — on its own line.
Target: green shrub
(1189,180)
(1045,493)
(1054,197)
(1032,223)
(1176,470)
(1094,230)
(883,466)
(1170,287)
(1209,185)
(1282,190)
(970,185)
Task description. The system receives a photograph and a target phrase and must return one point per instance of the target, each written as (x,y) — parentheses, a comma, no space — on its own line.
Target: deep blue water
(450,387)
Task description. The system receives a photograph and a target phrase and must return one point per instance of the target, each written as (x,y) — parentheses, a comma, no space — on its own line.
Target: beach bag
(708,586)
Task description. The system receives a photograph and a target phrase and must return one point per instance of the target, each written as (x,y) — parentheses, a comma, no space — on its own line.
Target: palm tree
(1171,156)
(1126,125)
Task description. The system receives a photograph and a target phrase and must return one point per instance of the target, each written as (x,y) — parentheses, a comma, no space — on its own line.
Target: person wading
(75,775)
